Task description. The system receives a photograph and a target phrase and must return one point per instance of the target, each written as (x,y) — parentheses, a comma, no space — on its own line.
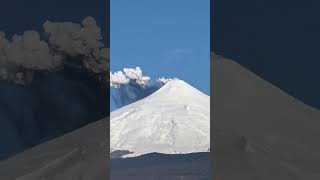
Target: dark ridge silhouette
(158,166)
(278,40)
(80,154)
(53,104)
(259,131)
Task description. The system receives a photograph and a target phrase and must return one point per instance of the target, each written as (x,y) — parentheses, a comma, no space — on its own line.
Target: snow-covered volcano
(174,119)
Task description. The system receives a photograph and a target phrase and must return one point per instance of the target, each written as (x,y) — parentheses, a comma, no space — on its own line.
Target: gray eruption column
(131,85)
(51,82)
(60,42)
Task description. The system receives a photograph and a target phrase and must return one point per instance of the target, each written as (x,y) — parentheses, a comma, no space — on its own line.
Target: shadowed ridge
(260,131)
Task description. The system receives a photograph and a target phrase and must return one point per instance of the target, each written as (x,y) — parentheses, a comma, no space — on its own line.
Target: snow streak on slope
(174,119)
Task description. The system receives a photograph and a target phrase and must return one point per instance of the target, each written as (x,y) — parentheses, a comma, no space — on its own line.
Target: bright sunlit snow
(174,119)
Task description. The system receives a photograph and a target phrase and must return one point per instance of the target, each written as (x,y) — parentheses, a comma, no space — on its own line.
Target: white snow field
(173,120)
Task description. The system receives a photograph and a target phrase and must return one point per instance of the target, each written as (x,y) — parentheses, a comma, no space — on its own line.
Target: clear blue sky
(169,38)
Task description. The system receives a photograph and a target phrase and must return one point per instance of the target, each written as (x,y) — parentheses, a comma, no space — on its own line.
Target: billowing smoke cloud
(23,55)
(129,76)
(130,85)
(52,82)
(61,44)
(162,81)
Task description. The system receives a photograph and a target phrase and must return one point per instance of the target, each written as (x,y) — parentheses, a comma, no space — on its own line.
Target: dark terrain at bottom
(155,166)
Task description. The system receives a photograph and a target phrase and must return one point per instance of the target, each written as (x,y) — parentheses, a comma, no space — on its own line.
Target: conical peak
(177,87)
(163,121)
(177,82)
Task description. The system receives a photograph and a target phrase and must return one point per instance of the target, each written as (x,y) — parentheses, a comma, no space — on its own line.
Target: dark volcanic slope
(53,104)
(259,131)
(193,166)
(81,154)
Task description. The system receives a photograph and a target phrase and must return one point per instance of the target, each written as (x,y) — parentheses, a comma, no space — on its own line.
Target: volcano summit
(173,120)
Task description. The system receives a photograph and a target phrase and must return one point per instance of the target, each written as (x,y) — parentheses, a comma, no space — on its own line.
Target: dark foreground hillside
(52,105)
(78,155)
(259,131)
(157,166)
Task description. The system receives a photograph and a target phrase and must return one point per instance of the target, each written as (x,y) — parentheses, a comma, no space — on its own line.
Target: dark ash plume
(51,83)
(131,85)
(62,42)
